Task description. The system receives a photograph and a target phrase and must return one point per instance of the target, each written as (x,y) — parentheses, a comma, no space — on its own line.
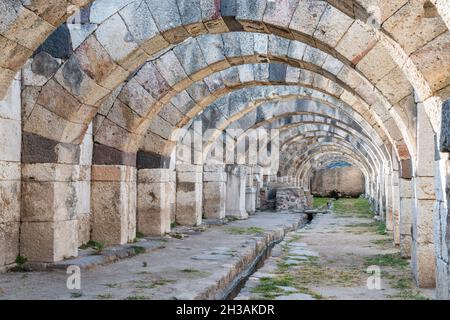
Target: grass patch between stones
(245,231)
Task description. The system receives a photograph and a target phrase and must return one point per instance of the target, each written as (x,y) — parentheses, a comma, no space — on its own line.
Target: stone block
(423,221)
(113,200)
(332,26)
(214,197)
(10,171)
(9,201)
(250,200)
(445,129)
(424,265)
(425,188)
(84,229)
(214,177)
(156,192)
(10,105)
(9,242)
(189,194)
(103,9)
(307,23)
(10,137)
(235,194)
(355,42)
(49,241)
(54,192)
(114,37)
(114,173)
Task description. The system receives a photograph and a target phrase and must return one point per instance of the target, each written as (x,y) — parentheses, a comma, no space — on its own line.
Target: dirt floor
(329,259)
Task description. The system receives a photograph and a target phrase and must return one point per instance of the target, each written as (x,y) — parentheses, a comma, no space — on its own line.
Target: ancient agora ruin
(224,149)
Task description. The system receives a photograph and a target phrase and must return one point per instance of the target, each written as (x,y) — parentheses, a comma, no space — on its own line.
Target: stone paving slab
(178,270)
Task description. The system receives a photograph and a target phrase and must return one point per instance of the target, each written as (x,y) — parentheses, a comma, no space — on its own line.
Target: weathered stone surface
(332,26)
(10,135)
(59,44)
(156,194)
(445,130)
(235,192)
(49,241)
(113,199)
(151,160)
(9,242)
(189,195)
(116,39)
(347,181)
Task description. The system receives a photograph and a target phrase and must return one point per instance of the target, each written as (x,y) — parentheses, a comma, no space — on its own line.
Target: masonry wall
(348,181)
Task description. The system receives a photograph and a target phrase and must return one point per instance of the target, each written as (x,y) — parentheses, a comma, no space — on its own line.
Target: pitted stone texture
(250,200)
(289,198)
(235,191)
(189,194)
(113,201)
(445,131)
(155,204)
(347,181)
(49,241)
(9,242)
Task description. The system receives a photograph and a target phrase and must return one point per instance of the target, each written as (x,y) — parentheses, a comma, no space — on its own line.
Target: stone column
(396,207)
(189,194)
(10,154)
(258,182)
(423,255)
(442,208)
(52,195)
(406,208)
(113,199)
(235,204)
(389,202)
(214,191)
(155,201)
(250,192)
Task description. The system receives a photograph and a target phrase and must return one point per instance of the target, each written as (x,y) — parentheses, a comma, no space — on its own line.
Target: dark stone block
(151,160)
(406,169)
(44,64)
(277,72)
(58,44)
(445,131)
(37,149)
(104,155)
(186,186)
(73,76)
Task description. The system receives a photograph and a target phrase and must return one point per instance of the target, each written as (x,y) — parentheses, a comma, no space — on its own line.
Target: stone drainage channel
(194,267)
(241,279)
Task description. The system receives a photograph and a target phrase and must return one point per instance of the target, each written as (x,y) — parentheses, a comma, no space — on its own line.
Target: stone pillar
(52,195)
(423,255)
(214,191)
(406,209)
(389,202)
(396,207)
(250,192)
(250,200)
(258,182)
(189,194)
(155,201)
(235,204)
(84,214)
(10,154)
(113,199)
